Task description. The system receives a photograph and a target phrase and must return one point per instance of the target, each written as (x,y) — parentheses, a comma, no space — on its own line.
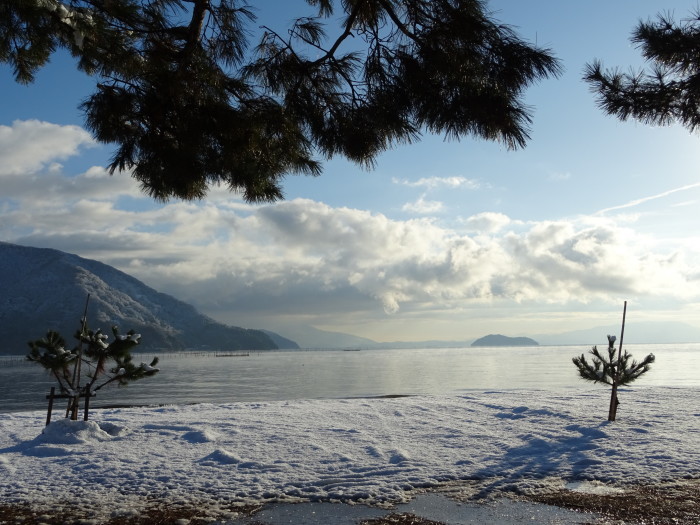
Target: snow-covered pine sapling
(614,369)
(99,354)
(106,362)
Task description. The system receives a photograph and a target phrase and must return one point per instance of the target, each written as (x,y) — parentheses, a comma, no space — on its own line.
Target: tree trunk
(612,412)
(75,406)
(50,409)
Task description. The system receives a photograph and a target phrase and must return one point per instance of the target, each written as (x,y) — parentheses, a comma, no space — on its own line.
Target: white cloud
(487,222)
(436,182)
(422,206)
(684,204)
(31,145)
(643,200)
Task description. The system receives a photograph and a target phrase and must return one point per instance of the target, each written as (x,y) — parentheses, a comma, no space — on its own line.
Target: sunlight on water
(299,374)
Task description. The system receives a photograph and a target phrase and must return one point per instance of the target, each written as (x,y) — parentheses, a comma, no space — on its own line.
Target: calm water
(279,375)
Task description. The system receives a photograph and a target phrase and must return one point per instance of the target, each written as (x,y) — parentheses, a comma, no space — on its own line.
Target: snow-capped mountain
(44,289)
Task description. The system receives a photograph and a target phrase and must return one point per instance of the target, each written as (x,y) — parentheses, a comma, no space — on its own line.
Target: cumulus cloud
(31,145)
(302,245)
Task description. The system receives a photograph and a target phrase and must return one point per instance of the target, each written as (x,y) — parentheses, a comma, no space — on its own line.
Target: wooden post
(50,398)
(612,412)
(75,384)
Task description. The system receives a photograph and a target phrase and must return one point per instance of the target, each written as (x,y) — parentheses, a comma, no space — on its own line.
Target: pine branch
(345,34)
(201,8)
(398,23)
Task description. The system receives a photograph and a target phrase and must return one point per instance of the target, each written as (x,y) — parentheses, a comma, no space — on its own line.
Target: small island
(503,340)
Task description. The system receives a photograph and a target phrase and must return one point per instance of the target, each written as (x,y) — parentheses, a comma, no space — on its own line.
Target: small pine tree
(611,369)
(106,362)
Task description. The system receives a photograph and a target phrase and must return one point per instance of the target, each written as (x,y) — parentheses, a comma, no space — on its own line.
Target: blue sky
(442,240)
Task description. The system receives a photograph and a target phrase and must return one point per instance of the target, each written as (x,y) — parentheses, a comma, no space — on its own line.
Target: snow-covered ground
(359,450)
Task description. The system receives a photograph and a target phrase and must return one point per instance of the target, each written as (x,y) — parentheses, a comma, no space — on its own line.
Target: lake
(323,374)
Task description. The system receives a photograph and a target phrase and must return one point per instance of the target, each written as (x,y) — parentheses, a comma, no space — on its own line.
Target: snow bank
(357,450)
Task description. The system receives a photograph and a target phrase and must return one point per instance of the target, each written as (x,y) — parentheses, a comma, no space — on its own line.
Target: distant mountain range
(46,289)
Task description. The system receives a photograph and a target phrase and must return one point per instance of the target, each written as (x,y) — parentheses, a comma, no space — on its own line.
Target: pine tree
(669,90)
(190,103)
(614,369)
(105,362)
